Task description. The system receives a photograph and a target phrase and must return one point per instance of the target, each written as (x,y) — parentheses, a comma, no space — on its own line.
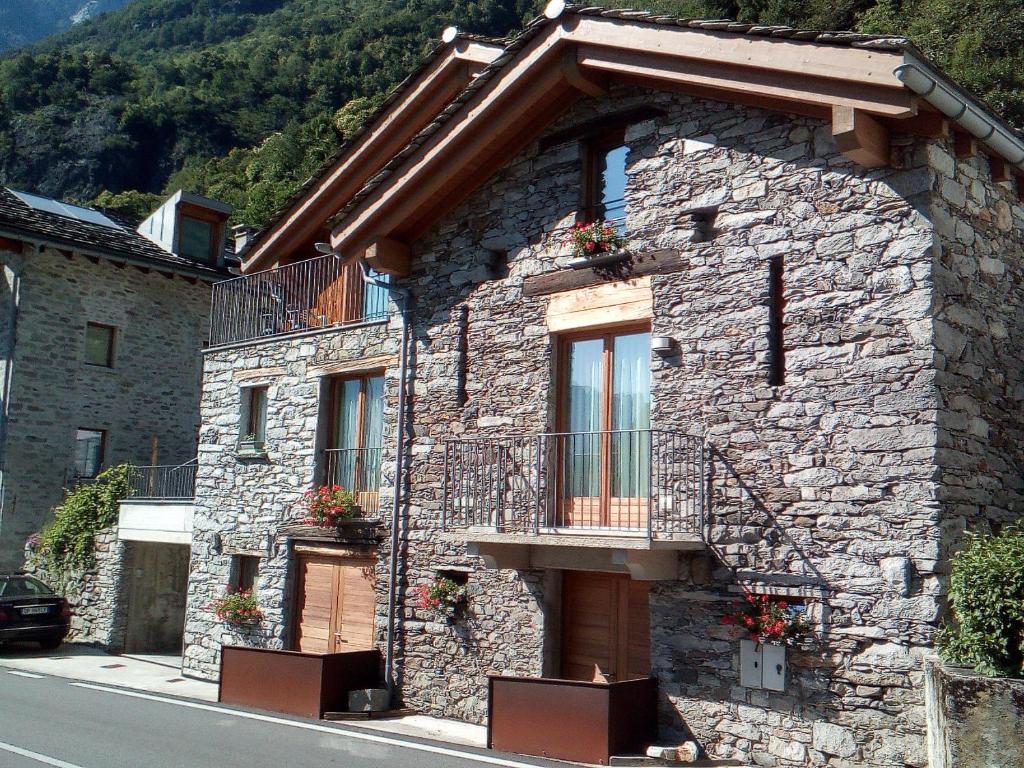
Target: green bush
(66,543)
(987,597)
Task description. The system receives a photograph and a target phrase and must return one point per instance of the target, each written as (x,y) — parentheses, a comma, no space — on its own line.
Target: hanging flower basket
(766,619)
(595,239)
(328,505)
(443,596)
(239,608)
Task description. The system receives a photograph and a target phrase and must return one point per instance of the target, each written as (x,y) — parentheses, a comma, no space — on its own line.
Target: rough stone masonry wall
(979,327)
(151,391)
(824,486)
(243,501)
(99,596)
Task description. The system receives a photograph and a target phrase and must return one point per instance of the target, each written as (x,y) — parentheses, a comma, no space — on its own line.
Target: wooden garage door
(606,627)
(334,604)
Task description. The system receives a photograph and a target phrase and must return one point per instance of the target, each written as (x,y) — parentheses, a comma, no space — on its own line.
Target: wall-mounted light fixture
(663,345)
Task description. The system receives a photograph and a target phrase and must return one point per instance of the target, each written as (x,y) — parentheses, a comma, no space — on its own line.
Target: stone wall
(98,597)
(974,721)
(825,489)
(151,391)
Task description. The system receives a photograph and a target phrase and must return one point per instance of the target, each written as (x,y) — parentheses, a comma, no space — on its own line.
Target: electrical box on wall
(762,666)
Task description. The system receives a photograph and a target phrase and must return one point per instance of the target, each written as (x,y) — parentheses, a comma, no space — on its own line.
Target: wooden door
(334,605)
(606,627)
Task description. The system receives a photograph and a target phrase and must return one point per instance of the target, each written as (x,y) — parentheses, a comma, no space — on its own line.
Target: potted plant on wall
(443,595)
(595,244)
(768,620)
(239,608)
(327,506)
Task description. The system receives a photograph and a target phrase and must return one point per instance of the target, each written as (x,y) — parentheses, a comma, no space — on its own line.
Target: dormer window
(196,238)
(605,190)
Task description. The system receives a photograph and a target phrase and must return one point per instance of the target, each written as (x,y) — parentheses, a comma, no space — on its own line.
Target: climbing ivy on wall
(66,543)
(986,594)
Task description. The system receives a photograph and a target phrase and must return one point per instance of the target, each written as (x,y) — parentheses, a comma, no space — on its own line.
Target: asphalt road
(62,723)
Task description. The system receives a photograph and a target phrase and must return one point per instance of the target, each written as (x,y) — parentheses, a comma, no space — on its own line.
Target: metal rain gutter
(958,106)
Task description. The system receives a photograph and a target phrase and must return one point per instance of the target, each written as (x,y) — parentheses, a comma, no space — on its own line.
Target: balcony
(161,505)
(631,497)
(358,470)
(314,294)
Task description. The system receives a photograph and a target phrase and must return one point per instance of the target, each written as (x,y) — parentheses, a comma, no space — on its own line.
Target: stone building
(101,333)
(799,378)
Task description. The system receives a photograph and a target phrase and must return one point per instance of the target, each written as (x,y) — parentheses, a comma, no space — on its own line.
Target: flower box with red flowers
(595,239)
(240,608)
(767,619)
(327,506)
(443,596)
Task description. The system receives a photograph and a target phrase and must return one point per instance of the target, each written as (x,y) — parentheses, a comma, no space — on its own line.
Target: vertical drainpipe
(401,297)
(8,379)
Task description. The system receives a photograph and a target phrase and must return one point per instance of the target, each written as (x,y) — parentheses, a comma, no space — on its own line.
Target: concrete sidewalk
(156,673)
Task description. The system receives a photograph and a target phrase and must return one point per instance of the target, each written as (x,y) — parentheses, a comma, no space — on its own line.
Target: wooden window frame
(363,378)
(252,416)
(103,451)
(216,222)
(110,346)
(239,567)
(594,148)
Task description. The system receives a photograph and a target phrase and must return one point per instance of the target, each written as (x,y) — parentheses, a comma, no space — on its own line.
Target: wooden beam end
(388,256)
(860,137)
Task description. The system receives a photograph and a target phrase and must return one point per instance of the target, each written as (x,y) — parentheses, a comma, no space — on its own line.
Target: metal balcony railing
(357,470)
(166,481)
(312,294)
(645,481)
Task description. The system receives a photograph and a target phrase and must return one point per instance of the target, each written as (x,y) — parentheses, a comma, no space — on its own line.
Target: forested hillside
(243,99)
(24,21)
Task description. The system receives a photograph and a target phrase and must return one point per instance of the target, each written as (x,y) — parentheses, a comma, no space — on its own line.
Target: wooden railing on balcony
(312,294)
(644,481)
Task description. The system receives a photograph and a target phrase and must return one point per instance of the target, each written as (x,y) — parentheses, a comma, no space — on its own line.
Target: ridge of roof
(117,242)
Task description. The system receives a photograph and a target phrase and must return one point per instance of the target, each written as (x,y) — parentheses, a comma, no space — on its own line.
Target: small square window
(244,570)
(254,422)
(99,344)
(196,239)
(90,445)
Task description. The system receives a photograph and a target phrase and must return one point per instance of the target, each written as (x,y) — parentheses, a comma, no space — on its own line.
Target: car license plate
(35,610)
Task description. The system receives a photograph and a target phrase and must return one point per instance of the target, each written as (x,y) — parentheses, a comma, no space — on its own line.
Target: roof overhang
(417,103)
(580,55)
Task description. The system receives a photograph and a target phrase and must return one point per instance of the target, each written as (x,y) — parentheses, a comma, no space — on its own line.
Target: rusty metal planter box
(305,684)
(570,719)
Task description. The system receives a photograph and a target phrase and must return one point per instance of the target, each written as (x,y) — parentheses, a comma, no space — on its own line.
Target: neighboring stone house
(802,378)
(102,327)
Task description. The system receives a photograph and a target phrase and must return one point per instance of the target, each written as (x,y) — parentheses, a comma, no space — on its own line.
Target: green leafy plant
(443,595)
(240,608)
(66,543)
(986,594)
(327,505)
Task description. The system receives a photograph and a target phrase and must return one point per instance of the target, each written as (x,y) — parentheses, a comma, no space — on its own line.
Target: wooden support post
(580,80)
(388,256)
(964,144)
(999,169)
(860,137)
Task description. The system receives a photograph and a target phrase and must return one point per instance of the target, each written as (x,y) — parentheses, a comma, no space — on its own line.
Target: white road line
(349,733)
(19,673)
(36,756)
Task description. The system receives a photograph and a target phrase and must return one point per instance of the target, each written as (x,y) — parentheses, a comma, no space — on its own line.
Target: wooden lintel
(589,84)
(13,246)
(860,137)
(999,169)
(388,256)
(964,144)
(646,263)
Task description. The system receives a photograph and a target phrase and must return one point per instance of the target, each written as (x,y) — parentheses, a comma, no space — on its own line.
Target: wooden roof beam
(584,82)
(12,246)
(860,137)
(964,144)
(388,256)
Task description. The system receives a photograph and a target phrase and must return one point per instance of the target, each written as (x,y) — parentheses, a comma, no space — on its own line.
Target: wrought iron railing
(165,481)
(648,481)
(312,294)
(358,470)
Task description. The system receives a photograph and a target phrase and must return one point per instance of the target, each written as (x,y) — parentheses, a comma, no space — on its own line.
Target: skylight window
(64,209)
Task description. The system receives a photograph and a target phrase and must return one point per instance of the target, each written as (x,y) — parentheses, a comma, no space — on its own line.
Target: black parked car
(30,610)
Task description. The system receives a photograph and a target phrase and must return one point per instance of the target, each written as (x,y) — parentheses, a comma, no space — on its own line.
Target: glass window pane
(583,451)
(631,414)
(23,586)
(88,452)
(346,435)
(613,184)
(194,242)
(99,342)
(258,413)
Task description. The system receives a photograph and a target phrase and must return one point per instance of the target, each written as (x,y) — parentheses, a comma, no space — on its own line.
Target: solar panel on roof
(64,209)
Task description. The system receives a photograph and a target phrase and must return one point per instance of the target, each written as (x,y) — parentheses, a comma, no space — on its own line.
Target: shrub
(66,543)
(986,594)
